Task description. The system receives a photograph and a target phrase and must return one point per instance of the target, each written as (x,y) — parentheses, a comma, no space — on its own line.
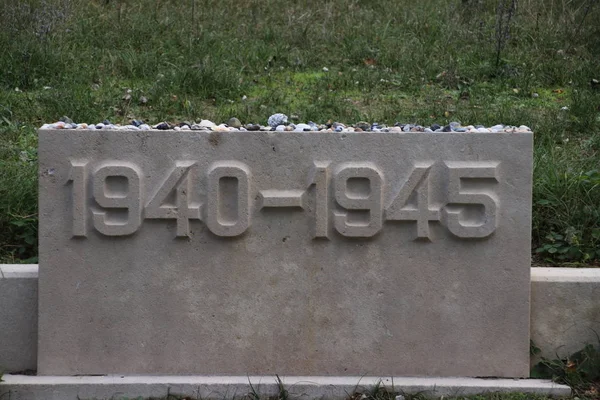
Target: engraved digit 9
(131,201)
(219,209)
(371,202)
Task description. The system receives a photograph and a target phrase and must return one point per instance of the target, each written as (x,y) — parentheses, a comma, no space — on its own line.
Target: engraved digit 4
(179,180)
(422,214)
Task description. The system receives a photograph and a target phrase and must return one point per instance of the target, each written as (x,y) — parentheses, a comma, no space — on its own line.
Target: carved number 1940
(178,184)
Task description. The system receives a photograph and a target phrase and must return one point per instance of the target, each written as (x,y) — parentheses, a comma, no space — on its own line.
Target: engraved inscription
(282,198)
(398,210)
(216,220)
(179,182)
(130,202)
(319,177)
(354,189)
(77,175)
(458,174)
(369,200)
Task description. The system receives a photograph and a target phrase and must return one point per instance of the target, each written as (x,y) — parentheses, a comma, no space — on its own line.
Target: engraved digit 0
(131,201)
(216,220)
(359,201)
(459,171)
(78,176)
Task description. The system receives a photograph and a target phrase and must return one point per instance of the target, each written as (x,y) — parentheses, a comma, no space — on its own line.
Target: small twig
(588,8)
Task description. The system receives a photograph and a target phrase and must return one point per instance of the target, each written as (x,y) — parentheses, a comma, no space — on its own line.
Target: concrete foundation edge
(19,387)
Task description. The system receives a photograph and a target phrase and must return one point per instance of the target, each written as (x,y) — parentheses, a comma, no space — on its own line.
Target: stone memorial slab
(261,253)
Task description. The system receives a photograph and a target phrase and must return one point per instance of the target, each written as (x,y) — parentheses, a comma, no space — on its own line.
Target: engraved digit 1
(319,177)
(215,220)
(77,175)
(360,201)
(132,201)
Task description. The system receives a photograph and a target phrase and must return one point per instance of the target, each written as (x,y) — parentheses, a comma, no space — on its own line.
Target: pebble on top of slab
(279,122)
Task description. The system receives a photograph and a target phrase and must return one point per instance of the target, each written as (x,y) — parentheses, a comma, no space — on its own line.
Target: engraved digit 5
(131,201)
(371,202)
(457,195)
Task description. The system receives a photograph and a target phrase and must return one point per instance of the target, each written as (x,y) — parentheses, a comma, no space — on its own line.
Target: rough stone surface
(284,253)
(222,387)
(18,317)
(565,307)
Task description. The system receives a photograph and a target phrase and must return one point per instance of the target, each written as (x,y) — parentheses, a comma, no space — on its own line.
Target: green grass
(390,60)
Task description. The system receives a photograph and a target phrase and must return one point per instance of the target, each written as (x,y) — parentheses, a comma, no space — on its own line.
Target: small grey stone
(277,119)
(252,127)
(206,124)
(365,126)
(302,128)
(234,122)
(66,119)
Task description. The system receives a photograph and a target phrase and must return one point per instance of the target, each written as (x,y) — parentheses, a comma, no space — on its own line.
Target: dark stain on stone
(214,138)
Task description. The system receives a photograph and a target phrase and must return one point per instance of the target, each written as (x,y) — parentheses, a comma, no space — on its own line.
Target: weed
(581,370)
(504,16)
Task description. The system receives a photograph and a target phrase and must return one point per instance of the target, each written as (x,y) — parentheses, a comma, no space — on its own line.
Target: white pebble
(207,124)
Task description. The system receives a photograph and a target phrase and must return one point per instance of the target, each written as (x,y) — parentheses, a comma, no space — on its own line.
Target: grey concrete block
(221,387)
(565,309)
(18,317)
(291,253)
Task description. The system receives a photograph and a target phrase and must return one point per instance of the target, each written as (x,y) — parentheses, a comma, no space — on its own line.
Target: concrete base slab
(19,387)
(18,317)
(565,310)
